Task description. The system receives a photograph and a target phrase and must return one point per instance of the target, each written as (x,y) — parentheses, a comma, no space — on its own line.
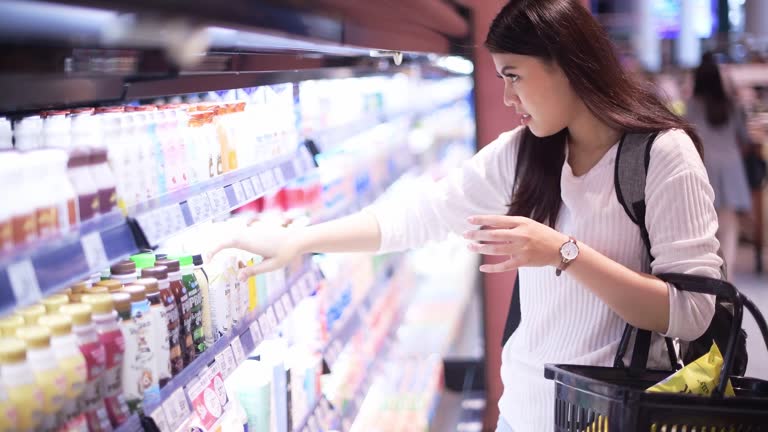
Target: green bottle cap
(184,260)
(144,260)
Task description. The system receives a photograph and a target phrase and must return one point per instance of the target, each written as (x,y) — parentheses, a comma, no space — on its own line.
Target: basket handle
(704,285)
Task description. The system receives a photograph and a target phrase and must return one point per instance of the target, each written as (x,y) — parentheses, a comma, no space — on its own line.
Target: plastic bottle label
(6,236)
(47,219)
(24,229)
(114,346)
(107,200)
(92,401)
(88,205)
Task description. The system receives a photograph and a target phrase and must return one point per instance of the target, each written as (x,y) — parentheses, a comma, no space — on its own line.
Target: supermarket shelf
(174,405)
(170,214)
(355,320)
(331,139)
(43,269)
(316,416)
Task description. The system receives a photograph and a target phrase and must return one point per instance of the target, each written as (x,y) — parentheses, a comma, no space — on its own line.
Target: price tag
(264,324)
(177,409)
(267,180)
(93,248)
(277,172)
(219,202)
(297,166)
(148,227)
(200,207)
(279,310)
(258,188)
(239,192)
(175,218)
(272,316)
(287,304)
(256,334)
(296,293)
(24,282)
(237,350)
(248,190)
(161,422)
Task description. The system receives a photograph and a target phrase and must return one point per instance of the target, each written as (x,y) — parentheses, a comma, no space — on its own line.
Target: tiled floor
(756,288)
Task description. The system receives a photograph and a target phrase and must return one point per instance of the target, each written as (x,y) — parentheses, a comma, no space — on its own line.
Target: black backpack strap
(513,316)
(629,181)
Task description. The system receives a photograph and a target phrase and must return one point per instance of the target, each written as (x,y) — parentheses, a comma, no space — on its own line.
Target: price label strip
(177,409)
(93,248)
(237,350)
(296,293)
(200,207)
(175,219)
(240,197)
(258,188)
(247,187)
(287,304)
(277,172)
(264,324)
(219,202)
(24,282)
(161,421)
(256,334)
(279,310)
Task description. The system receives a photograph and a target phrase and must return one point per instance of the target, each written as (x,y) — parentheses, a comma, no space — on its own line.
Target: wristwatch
(569,251)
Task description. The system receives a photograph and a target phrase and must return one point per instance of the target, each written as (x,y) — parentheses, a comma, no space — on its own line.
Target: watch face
(569,251)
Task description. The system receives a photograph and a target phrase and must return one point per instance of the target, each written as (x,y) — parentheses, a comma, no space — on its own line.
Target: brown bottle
(160,273)
(160,326)
(183,305)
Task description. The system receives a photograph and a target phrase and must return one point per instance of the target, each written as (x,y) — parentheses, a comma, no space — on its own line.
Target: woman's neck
(588,140)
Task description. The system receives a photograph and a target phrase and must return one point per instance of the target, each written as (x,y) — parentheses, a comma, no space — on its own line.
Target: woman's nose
(510,97)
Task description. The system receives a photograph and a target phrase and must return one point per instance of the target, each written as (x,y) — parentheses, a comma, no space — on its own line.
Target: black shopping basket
(602,399)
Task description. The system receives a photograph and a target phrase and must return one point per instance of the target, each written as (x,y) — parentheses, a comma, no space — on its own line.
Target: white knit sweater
(562,321)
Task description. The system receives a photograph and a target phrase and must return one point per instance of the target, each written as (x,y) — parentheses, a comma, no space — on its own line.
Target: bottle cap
(137,292)
(143,260)
(9,324)
(12,350)
(185,261)
(159,273)
(111,285)
(172,265)
(31,313)
(100,303)
(35,336)
(125,267)
(54,302)
(122,302)
(79,313)
(59,325)
(150,285)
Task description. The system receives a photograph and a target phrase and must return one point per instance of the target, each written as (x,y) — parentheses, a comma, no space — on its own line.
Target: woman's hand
(525,242)
(277,245)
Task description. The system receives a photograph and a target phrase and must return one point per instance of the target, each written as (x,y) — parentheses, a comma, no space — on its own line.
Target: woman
(720,126)
(561,75)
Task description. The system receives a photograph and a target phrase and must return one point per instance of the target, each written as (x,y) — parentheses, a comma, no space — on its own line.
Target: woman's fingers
(492,249)
(265,266)
(508,265)
(490,235)
(497,221)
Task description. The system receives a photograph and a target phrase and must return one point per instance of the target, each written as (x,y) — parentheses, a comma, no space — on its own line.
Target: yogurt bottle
(72,362)
(50,376)
(19,382)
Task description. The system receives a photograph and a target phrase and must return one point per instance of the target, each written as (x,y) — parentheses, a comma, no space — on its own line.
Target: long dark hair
(708,86)
(563,31)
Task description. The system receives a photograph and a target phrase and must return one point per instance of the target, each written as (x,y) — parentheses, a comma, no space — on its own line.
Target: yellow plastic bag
(700,377)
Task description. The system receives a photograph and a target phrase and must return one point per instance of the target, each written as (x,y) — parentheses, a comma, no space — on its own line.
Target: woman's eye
(513,77)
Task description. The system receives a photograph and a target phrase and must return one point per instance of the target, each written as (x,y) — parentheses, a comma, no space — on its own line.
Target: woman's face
(539,91)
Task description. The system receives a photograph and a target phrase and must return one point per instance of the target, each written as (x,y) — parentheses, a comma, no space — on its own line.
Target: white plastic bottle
(7,172)
(67,197)
(6,134)
(28,133)
(80,173)
(23,203)
(19,381)
(48,374)
(99,165)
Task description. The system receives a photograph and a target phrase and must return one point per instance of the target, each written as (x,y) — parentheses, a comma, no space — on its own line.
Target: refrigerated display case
(135,132)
